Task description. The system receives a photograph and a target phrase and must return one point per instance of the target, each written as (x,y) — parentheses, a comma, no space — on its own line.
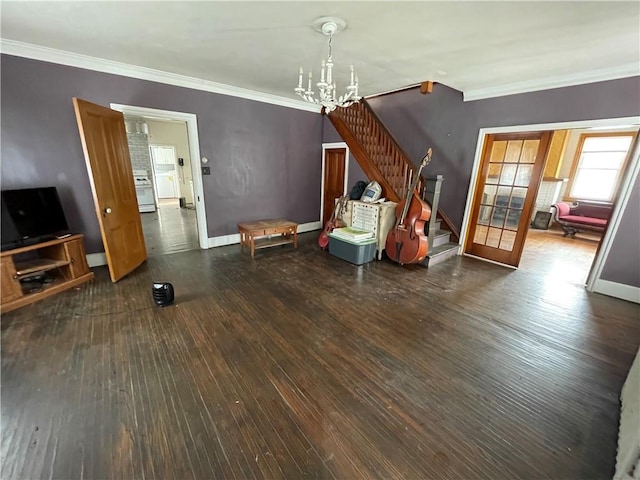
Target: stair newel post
(432,197)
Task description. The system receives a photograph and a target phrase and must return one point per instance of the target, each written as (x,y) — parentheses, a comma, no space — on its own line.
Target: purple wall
(355,173)
(265,160)
(329,133)
(623,263)
(443,121)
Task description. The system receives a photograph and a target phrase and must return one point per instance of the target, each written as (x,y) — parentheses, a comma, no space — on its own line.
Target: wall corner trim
(617,290)
(62,57)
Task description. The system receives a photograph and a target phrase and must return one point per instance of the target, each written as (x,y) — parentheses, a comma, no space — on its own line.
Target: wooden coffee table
(277,232)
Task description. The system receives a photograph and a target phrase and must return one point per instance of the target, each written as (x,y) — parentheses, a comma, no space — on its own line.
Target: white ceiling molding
(624,71)
(45,54)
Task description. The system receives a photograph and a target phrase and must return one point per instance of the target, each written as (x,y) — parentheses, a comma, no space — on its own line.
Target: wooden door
(106,153)
(510,174)
(334,162)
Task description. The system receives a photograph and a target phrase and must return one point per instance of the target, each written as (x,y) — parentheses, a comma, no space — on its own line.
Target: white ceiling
(480,48)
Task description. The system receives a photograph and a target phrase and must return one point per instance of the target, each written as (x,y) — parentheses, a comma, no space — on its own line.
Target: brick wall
(138,140)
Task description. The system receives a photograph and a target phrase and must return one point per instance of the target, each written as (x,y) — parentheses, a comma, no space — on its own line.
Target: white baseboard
(97,259)
(309,227)
(223,240)
(234,238)
(618,290)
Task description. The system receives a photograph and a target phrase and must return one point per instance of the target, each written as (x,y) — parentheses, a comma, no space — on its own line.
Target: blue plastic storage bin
(353,252)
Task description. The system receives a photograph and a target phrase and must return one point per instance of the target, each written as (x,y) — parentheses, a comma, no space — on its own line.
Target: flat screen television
(31,215)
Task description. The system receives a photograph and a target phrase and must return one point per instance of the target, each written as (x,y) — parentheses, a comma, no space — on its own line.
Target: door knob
(107,210)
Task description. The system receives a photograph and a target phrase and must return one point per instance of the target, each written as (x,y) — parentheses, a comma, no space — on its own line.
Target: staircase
(382,160)
(378,154)
(441,247)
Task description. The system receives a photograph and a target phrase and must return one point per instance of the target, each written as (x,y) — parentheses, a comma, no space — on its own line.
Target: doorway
(176,219)
(546,251)
(161,162)
(335,158)
(584,167)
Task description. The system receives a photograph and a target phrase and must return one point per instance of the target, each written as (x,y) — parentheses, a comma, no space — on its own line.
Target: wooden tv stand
(62,260)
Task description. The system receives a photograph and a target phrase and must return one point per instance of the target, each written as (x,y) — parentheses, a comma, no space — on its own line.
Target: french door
(510,173)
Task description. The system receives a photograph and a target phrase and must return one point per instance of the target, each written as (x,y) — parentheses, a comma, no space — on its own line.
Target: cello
(406,242)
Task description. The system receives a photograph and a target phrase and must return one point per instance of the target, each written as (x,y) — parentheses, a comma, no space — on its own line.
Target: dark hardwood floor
(299,365)
(170,229)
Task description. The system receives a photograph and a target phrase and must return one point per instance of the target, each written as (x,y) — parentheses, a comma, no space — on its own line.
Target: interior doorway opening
(583,170)
(191,210)
(568,169)
(161,163)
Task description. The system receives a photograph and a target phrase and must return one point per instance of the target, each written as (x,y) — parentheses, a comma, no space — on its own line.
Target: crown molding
(62,57)
(623,71)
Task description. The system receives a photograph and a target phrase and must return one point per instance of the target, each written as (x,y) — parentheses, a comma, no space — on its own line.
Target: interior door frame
(194,150)
(325,147)
(623,193)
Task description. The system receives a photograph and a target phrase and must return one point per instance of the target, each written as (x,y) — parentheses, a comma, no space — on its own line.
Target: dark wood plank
(170,229)
(296,364)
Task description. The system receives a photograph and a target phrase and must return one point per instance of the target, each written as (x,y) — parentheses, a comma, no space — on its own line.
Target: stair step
(440,253)
(441,237)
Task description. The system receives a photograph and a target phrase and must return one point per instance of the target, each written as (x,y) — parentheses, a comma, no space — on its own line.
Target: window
(599,164)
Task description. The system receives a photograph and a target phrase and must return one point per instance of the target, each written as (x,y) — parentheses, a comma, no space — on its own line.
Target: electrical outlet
(206,170)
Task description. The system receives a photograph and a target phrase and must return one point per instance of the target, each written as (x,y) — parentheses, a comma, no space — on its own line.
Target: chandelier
(327,90)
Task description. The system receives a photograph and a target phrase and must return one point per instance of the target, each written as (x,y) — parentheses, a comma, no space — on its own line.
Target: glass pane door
(510,174)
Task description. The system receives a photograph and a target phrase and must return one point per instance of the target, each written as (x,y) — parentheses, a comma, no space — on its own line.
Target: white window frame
(577,162)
